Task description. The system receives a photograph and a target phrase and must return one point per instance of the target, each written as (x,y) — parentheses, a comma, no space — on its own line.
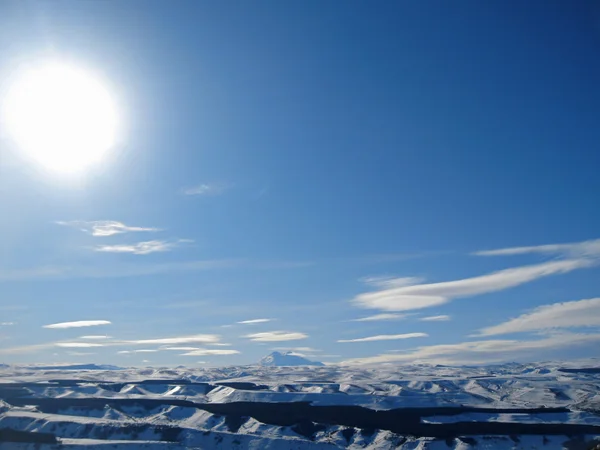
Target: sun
(60,116)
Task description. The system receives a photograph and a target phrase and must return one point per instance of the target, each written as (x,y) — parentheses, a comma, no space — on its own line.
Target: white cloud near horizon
(197,338)
(386,337)
(589,248)
(77,324)
(142,248)
(440,318)
(298,349)
(98,336)
(103,228)
(251,321)
(180,349)
(211,352)
(207,339)
(78,344)
(480,352)
(276,336)
(378,317)
(420,296)
(143,350)
(207,189)
(579,313)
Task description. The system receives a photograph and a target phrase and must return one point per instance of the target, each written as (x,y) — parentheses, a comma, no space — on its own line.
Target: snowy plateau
(511,406)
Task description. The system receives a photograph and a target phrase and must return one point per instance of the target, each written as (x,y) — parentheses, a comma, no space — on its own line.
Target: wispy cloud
(298,349)
(386,281)
(251,321)
(211,352)
(78,344)
(32,273)
(441,318)
(426,295)
(580,313)
(6,324)
(276,336)
(78,324)
(378,317)
(104,227)
(207,339)
(572,250)
(480,352)
(207,189)
(143,350)
(142,248)
(95,336)
(122,270)
(180,349)
(197,338)
(386,337)
(25,349)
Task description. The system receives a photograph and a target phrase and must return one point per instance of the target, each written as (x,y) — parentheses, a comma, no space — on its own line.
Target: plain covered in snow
(542,406)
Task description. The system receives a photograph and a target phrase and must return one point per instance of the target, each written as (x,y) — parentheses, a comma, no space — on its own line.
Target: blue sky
(312,163)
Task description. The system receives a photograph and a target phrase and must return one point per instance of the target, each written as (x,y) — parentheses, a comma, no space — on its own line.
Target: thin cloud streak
(206,189)
(211,352)
(589,248)
(480,352)
(198,338)
(386,337)
(298,349)
(207,339)
(143,350)
(126,270)
(180,349)
(78,344)
(25,349)
(441,318)
(580,313)
(378,317)
(142,248)
(255,321)
(276,336)
(117,270)
(427,295)
(102,228)
(385,281)
(77,324)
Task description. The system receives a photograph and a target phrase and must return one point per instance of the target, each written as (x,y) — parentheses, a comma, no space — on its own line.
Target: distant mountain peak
(277,359)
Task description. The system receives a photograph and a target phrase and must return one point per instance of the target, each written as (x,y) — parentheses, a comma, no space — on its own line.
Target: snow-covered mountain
(278,359)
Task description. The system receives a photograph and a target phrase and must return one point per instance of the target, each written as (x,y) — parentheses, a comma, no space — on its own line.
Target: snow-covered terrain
(548,406)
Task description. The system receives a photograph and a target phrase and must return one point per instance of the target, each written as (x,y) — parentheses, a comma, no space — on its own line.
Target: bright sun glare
(61,116)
